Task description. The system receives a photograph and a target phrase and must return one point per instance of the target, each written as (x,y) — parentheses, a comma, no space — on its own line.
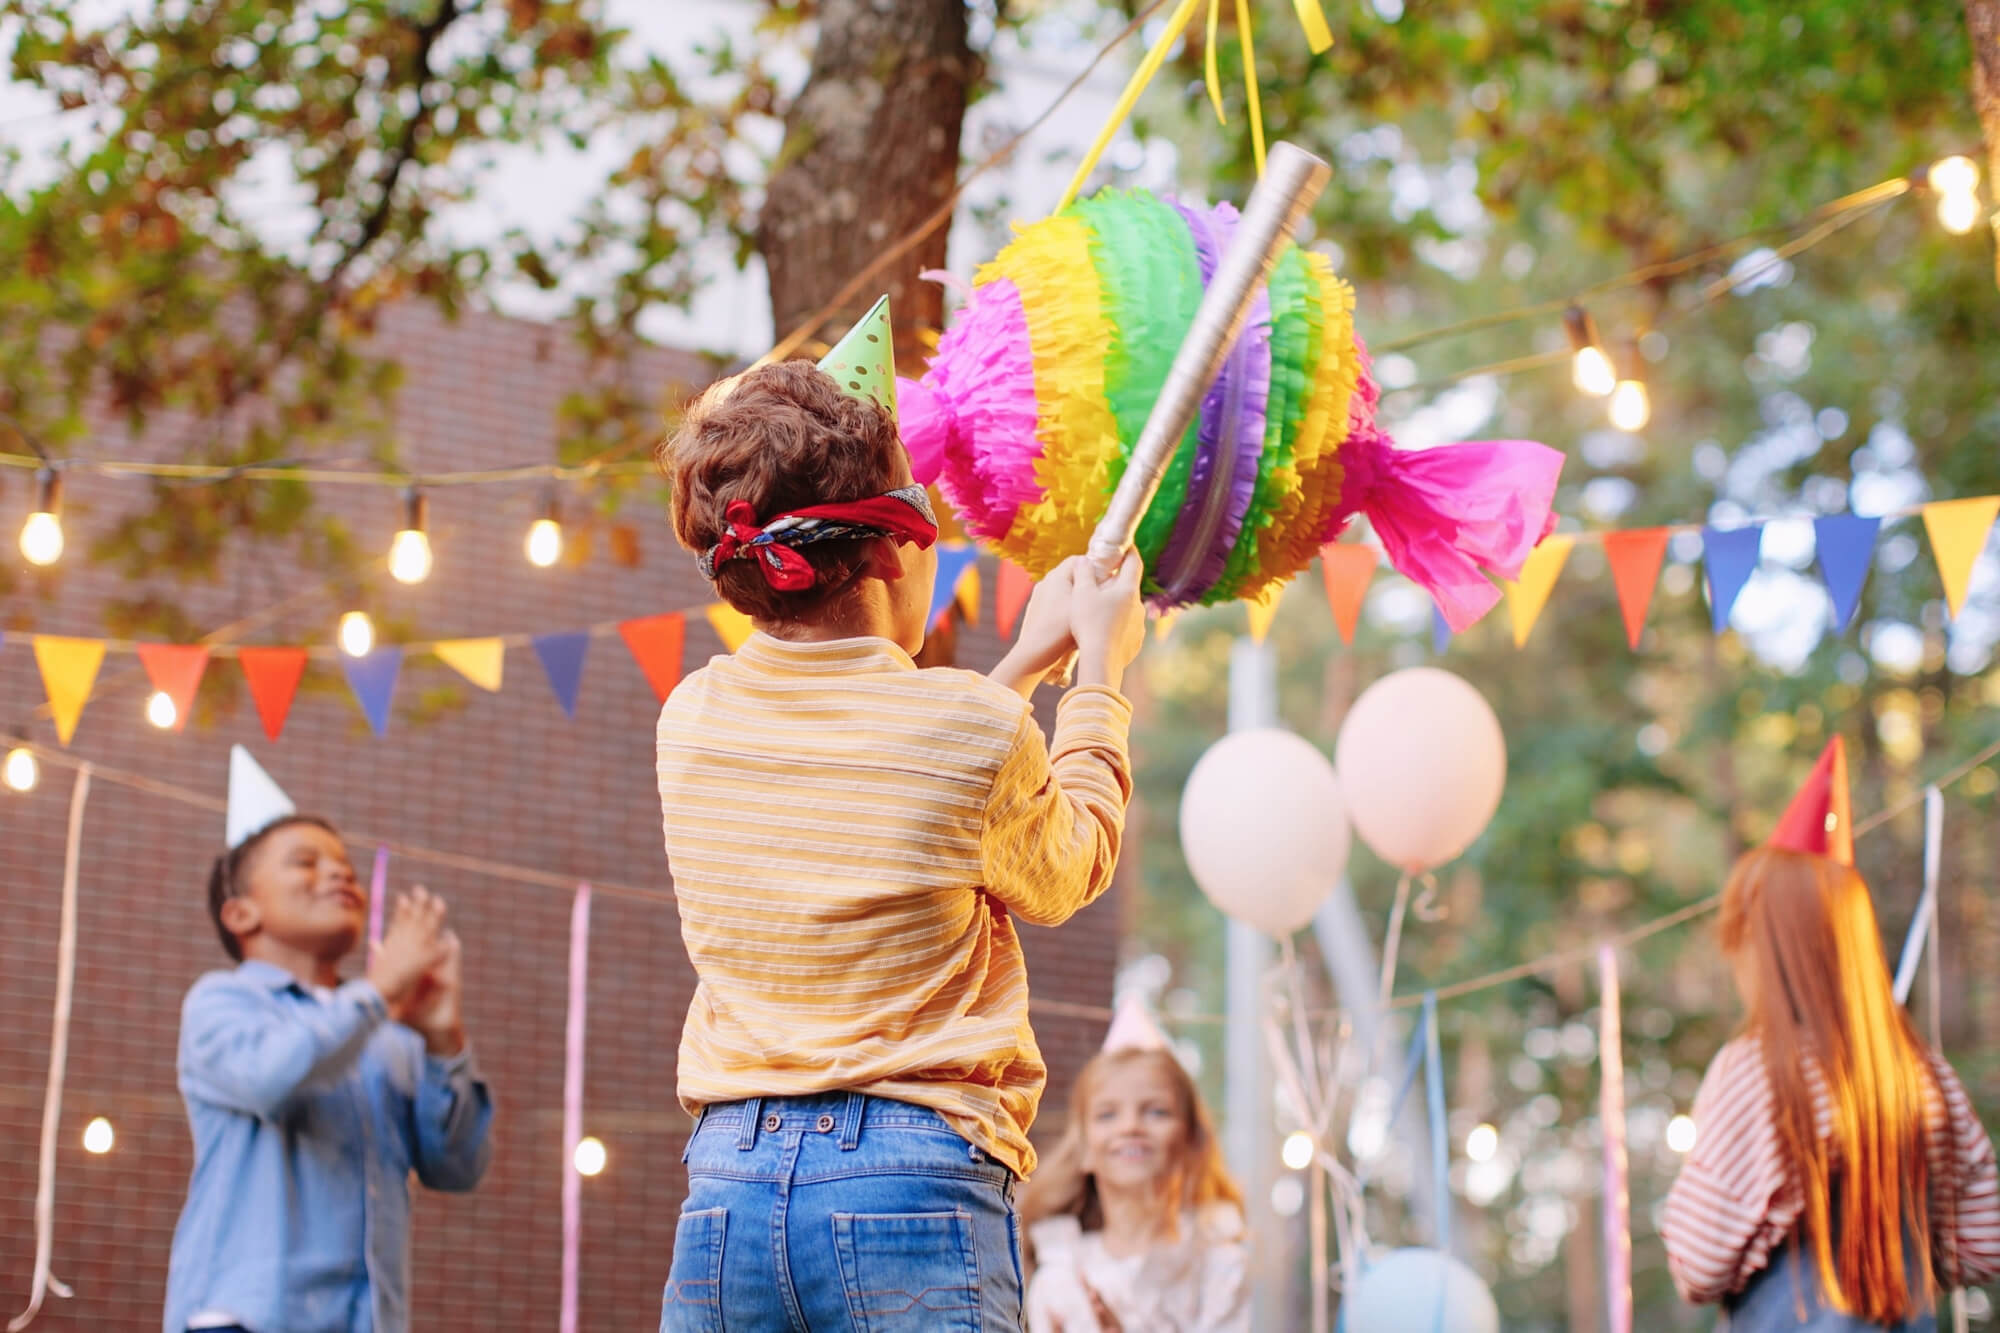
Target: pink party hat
(1133,1029)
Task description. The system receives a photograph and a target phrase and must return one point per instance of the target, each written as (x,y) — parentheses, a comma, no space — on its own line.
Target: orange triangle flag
(1635,556)
(655,643)
(968,594)
(481,661)
(175,670)
(1957,529)
(1527,595)
(274,675)
(730,625)
(69,670)
(1348,568)
(1010,594)
(1819,819)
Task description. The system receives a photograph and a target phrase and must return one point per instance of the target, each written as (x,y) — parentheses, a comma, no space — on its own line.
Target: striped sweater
(1735,1203)
(849,838)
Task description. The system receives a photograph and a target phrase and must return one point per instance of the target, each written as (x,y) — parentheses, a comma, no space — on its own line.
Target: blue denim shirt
(309,1111)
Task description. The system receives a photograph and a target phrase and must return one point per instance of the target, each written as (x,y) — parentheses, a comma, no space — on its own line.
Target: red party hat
(1819,819)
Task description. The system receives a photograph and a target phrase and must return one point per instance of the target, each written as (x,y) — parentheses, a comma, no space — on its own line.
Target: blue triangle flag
(1846,544)
(1440,631)
(1730,557)
(373,680)
(562,662)
(953,561)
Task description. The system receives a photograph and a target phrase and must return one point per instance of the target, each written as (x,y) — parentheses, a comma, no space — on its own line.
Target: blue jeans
(841,1211)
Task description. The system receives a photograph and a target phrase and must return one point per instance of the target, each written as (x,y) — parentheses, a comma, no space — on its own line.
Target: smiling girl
(1133,1221)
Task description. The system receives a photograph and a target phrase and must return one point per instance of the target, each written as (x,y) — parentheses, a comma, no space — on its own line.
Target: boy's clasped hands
(418,968)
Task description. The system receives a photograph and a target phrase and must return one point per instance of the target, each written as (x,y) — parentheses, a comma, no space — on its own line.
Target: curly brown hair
(779,437)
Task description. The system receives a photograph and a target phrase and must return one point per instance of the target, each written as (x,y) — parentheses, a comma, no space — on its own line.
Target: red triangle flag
(1348,568)
(1635,558)
(175,671)
(1010,594)
(274,675)
(655,643)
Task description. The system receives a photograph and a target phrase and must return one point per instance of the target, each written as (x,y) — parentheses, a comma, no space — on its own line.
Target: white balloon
(1422,764)
(1263,828)
(1415,1291)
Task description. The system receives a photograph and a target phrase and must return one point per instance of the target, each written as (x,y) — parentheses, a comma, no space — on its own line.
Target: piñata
(1032,403)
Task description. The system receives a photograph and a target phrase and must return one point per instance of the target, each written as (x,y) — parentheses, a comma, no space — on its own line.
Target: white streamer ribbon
(45,1189)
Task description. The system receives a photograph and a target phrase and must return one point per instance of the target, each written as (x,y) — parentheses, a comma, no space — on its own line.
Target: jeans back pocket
(692,1302)
(909,1272)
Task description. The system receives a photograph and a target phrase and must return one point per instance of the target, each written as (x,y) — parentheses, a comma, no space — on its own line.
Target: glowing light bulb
(545,542)
(1631,409)
(1590,368)
(410,556)
(1591,371)
(357,634)
(42,538)
(1958,212)
(590,1156)
(20,771)
(1298,1150)
(98,1136)
(160,710)
(1680,1134)
(1482,1143)
(42,534)
(1954,175)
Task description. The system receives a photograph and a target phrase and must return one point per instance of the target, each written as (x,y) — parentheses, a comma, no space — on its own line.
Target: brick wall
(504,777)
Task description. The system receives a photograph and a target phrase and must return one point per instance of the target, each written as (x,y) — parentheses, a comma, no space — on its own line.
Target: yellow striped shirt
(843,830)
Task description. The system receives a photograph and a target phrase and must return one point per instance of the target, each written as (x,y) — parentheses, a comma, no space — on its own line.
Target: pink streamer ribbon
(572,1190)
(378,891)
(1611,1114)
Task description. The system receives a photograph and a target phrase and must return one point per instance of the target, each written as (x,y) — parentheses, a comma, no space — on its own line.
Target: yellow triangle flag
(480,661)
(1527,595)
(1263,611)
(729,624)
(968,594)
(69,670)
(1163,625)
(1957,529)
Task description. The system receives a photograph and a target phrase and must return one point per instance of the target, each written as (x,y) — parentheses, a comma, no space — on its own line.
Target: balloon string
(1393,944)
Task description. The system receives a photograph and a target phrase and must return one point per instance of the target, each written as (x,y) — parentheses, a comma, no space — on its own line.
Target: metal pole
(1253,703)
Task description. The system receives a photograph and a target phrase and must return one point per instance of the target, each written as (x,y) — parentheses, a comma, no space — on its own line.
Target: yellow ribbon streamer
(1254,102)
(1209,73)
(1313,19)
(1141,76)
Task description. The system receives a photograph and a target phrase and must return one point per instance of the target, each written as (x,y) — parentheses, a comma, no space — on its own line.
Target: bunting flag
(1010,594)
(175,670)
(1527,595)
(1729,555)
(1163,625)
(373,681)
(968,594)
(1262,612)
(1347,568)
(69,670)
(952,562)
(1845,544)
(562,662)
(481,661)
(730,625)
(656,644)
(1635,558)
(1957,529)
(1440,631)
(273,674)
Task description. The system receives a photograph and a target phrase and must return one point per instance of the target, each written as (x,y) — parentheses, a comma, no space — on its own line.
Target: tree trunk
(1982,21)
(870,151)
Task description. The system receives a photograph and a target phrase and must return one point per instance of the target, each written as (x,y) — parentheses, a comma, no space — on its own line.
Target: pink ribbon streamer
(1611,1114)
(378,892)
(572,1190)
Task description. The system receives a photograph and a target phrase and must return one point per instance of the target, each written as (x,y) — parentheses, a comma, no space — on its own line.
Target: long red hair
(1801,932)
(1062,1185)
